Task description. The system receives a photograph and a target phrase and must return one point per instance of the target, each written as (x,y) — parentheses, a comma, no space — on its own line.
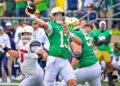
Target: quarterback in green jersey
(59,35)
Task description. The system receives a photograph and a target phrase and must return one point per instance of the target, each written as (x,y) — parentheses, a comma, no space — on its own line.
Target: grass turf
(103,84)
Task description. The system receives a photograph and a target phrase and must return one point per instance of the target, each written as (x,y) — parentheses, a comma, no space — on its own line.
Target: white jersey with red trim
(28,59)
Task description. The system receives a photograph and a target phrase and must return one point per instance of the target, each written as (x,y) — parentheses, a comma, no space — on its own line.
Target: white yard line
(9,83)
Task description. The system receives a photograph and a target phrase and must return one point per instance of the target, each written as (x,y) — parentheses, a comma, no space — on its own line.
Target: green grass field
(103,84)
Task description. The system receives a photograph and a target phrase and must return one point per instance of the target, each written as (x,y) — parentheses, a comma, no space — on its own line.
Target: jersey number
(89,40)
(62,42)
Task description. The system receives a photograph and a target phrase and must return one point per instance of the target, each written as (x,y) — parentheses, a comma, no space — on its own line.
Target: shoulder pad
(35,43)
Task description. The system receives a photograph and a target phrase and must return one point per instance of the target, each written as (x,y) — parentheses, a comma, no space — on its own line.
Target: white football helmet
(57,10)
(27,29)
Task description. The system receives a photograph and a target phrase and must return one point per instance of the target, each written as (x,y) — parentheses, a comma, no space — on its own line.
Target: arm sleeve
(107,41)
(49,31)
(96,41)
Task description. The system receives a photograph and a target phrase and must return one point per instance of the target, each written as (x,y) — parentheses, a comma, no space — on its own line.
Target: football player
(102,40)
(59,35)
(85,61)
(29,52)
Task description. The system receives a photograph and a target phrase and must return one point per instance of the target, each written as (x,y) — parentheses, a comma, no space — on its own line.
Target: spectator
(9,8)
(41,5)
(51,4)
(74,8)
(117,9)
(92,15)
(103,6)
(3,59)
(1,7)
(18,29)
(10,28)
(10,58)
(88,3)
(20,8)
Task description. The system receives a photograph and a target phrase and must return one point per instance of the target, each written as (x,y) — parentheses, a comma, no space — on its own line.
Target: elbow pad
(77,55)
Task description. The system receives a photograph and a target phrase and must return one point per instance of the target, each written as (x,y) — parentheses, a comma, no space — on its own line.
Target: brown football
(31,7)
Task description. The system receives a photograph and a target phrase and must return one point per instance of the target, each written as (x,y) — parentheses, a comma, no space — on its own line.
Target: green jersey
(42,6)
(103,36)
(88,57)
(116,53)
(21,4)
(94,33)
(59,41)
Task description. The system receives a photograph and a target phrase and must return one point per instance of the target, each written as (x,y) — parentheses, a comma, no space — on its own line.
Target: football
(31,7)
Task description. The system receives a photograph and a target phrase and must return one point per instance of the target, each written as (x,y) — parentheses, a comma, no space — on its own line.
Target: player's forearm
(96,41)
(77,40)
(18,1)
(42,24)
(74,62)
(107,41)
(13,53)
(37,1)
(44,53)
(76,47)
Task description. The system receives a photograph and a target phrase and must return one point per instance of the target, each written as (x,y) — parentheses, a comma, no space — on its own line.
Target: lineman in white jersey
(29,52)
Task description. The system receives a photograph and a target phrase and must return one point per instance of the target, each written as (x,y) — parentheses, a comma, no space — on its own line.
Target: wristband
(6,49)
(71,35)
(32,16)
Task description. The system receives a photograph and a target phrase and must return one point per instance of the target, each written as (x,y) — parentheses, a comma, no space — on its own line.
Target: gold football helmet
(54,11)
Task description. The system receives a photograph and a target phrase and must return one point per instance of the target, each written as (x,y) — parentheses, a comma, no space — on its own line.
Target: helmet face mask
(57,15)
(26,37)
(27,34)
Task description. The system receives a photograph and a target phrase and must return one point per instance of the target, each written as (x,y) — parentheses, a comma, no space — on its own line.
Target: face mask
(60,22)
(26,39)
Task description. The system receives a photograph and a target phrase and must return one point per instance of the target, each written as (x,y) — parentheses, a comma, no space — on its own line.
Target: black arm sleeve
(107,41)
(96,41)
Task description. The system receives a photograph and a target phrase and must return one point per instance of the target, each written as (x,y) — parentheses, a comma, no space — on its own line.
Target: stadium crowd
(99,31)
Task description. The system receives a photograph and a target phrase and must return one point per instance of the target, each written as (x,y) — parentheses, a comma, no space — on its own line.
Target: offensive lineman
(29,52)
(58,35)
(87,65)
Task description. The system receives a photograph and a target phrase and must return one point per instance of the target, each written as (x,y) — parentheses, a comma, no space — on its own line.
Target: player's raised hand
(31,8)
(28,13)
(66,30)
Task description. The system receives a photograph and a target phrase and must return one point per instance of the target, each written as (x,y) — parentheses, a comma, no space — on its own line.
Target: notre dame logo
(102,38)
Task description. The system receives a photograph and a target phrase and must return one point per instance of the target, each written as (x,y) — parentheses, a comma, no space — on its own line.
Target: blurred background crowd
(11,24)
